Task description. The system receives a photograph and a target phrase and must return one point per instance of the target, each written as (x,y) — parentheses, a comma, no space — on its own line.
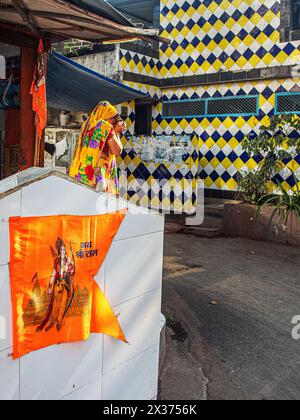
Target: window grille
(221,107)
(288,103)
(233,106)
(183,108)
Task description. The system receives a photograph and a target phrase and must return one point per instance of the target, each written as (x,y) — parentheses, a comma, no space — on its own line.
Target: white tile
(9,377)
(133,267)
(90,392)
(139,222)
(5,309)
(140,321)
(55,195)
(57,371)
(136,379)
(9,206)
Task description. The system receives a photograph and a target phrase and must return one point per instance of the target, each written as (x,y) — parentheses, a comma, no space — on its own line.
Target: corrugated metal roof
(102,8)
(139,9)
(63,19)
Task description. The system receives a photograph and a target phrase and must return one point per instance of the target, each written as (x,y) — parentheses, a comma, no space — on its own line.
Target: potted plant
(261,193)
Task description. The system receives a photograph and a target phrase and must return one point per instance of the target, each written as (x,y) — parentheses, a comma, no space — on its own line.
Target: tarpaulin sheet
(73,87)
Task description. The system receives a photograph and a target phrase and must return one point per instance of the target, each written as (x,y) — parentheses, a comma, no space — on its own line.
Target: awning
(73,87)
(65,20)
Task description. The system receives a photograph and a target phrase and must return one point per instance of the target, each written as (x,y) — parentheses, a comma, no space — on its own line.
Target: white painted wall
(101,368)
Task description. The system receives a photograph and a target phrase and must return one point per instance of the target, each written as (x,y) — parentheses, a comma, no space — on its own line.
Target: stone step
(203,232)
(212,222)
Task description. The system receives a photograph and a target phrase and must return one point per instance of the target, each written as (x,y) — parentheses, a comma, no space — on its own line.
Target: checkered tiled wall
(177,192)
(221,154)
(139,64)
(166,187)
(209,36)
(214,35)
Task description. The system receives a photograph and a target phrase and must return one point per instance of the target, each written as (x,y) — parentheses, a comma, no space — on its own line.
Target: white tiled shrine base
(135,379)
(9,377)
(75,371)
(5,310)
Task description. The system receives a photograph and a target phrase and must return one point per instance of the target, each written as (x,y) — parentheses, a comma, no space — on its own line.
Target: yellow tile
(241,62)
(256,19)
(251,164)
(238,163)
(217,65)
(249,40)
(220,183)
(210,143)
(205,66)
(215,162)
(195,124)
(173,124)
(208,182)
(229,63)
(226,163)
(221,143)
(231,184)
(254,60)
(268,59)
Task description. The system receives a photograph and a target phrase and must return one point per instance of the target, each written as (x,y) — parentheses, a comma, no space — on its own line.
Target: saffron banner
(38,91)
(53,262)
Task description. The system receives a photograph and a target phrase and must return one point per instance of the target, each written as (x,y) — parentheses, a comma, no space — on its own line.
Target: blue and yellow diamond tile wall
(179,190)
(166,187)
(214,35)
(210,36)
(221,154)
(139,64)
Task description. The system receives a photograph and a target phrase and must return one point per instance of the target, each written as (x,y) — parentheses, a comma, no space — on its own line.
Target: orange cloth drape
(38,92)
(53,262)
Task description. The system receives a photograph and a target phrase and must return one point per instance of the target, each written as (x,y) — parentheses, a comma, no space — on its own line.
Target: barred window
(221,107)
(288,103)
(176,109)
(237,106)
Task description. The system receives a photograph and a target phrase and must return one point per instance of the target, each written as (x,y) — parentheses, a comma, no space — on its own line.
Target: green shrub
(278,141)
(275,142)
(251,187)
(285,203)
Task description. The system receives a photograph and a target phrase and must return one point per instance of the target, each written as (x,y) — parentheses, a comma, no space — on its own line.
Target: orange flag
(53,262)
(38,92)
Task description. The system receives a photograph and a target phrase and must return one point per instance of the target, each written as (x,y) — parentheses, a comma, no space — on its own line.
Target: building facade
(231,65)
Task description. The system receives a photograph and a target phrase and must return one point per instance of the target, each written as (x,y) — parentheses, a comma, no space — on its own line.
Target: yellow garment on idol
(93,163)
(53,262)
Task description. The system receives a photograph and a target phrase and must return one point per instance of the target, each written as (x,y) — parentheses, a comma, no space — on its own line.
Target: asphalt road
(229,305)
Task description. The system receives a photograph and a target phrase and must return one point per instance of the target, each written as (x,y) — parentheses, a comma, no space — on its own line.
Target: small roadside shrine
(101,366)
